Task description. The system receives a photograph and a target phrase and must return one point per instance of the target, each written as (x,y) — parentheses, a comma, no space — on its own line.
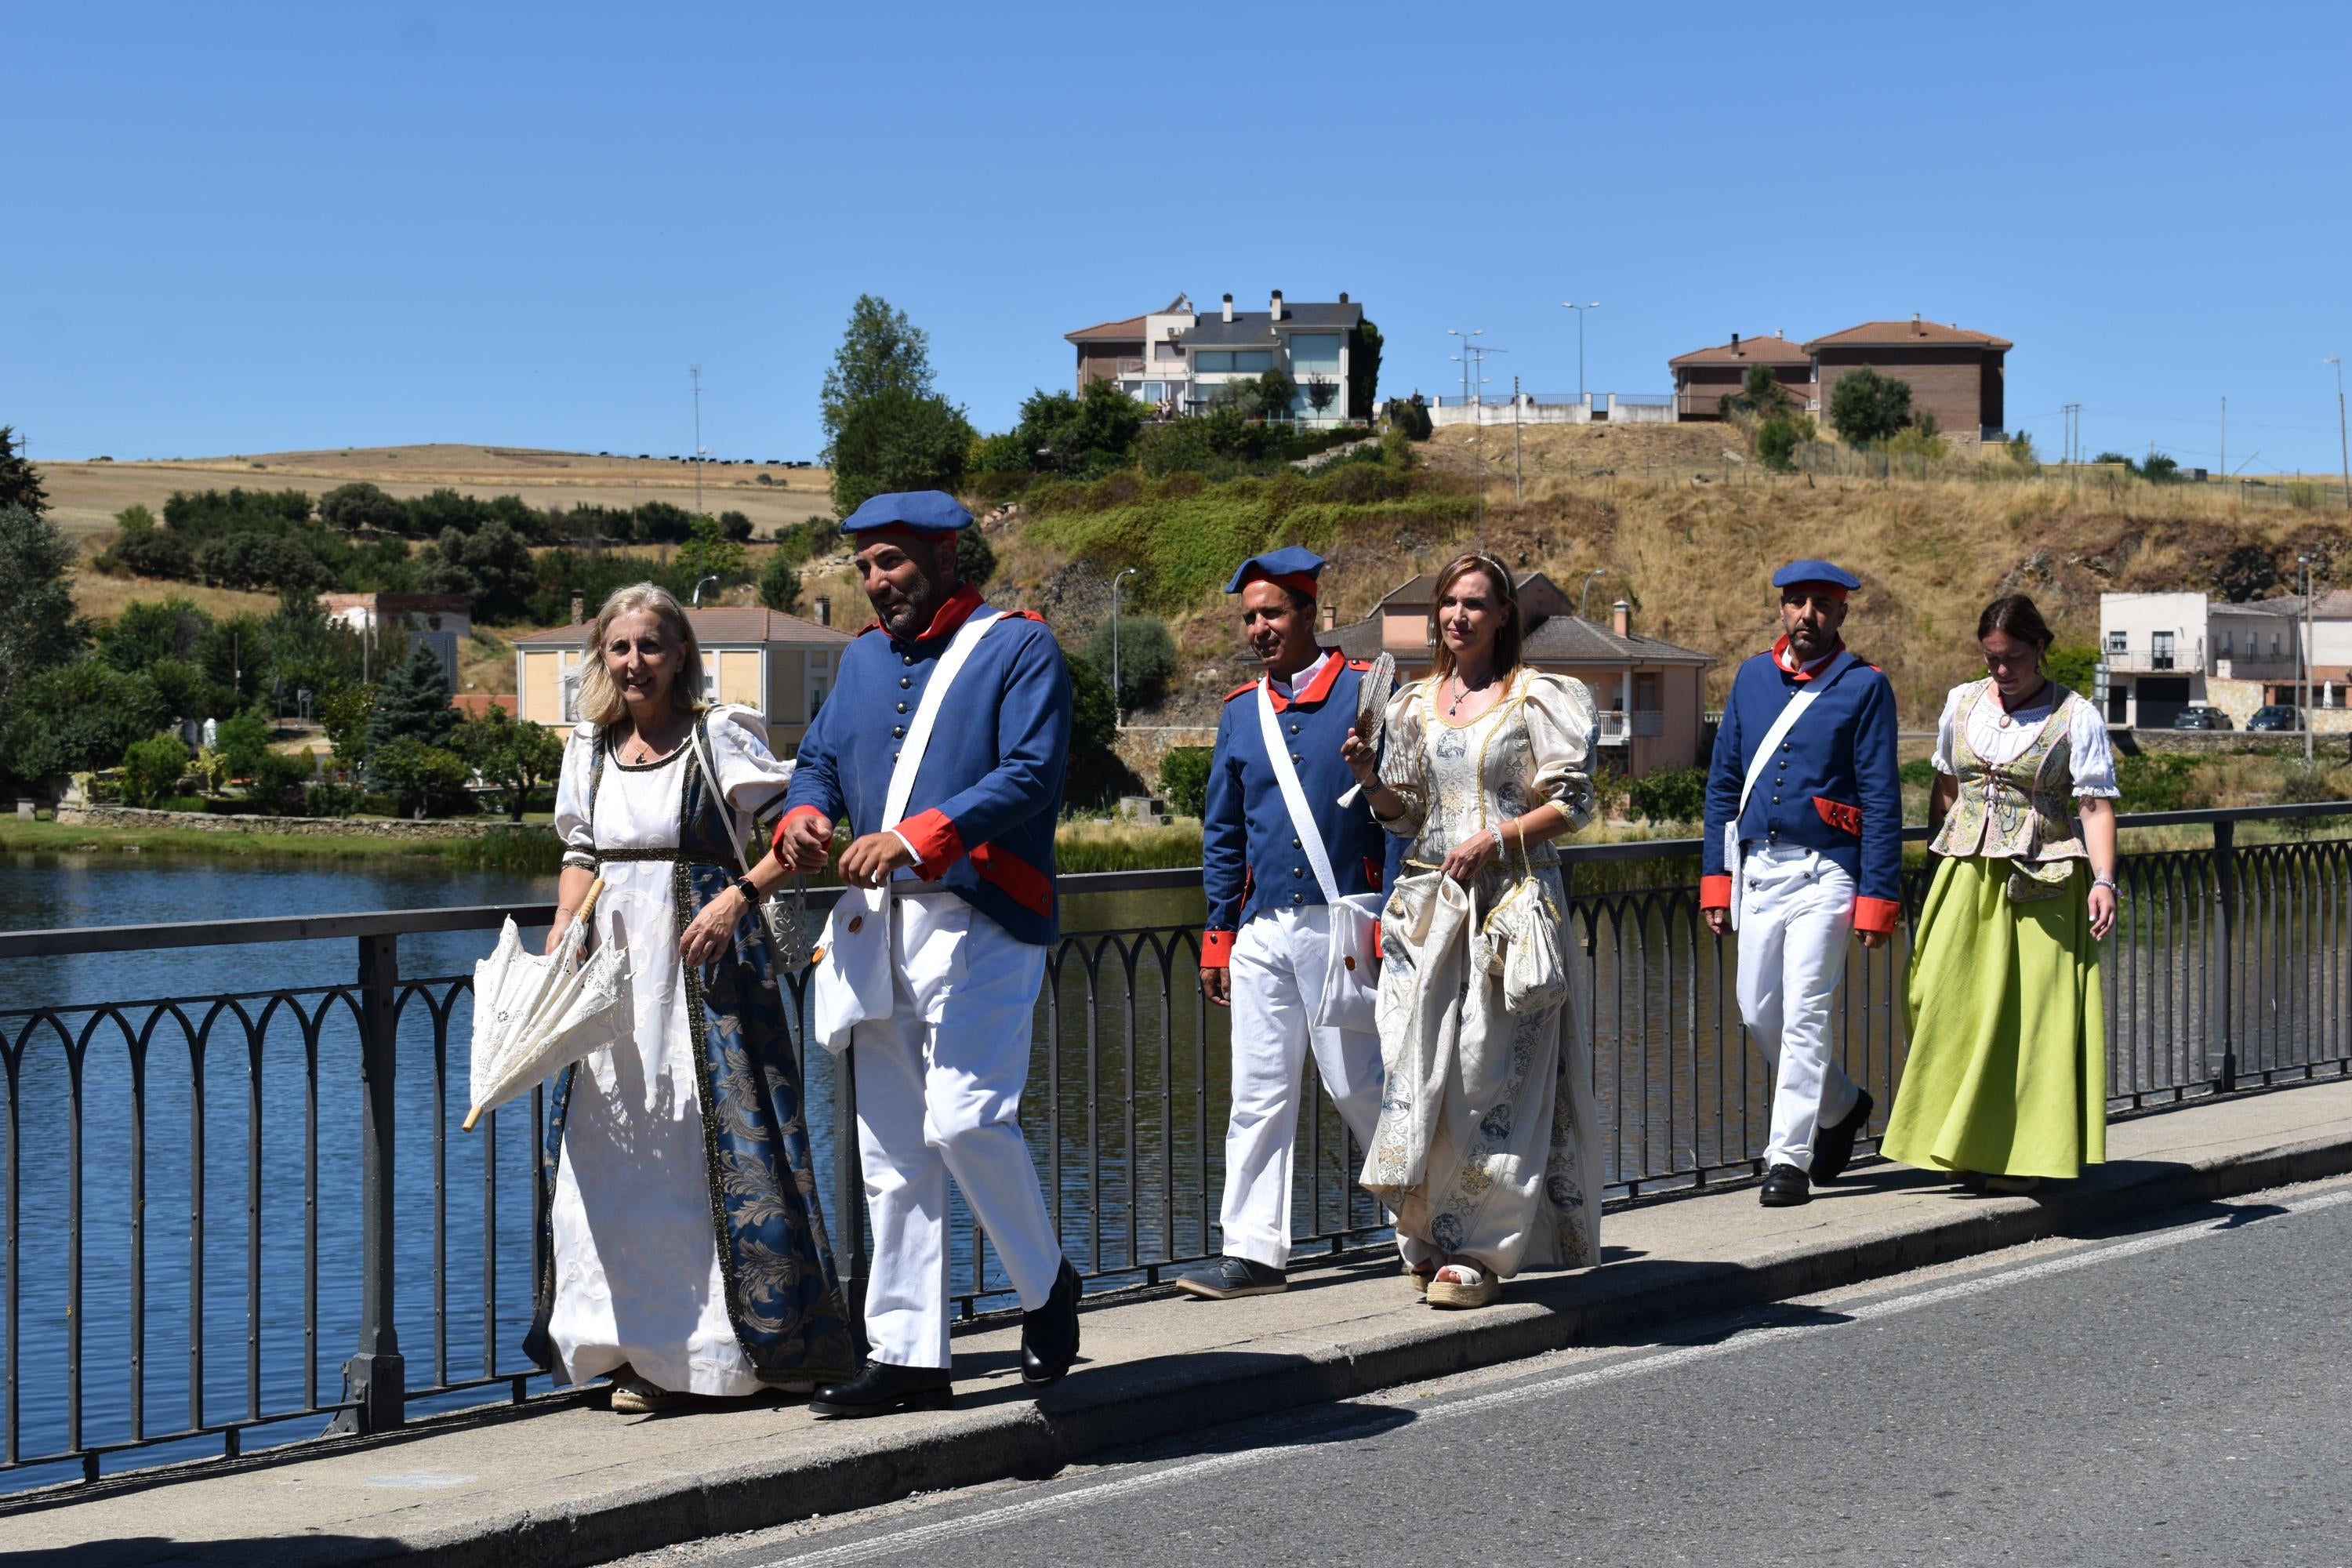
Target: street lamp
(1465,357)
(1117,717)
(1584,596)
(1580,310)
(712,577)
(2343,447)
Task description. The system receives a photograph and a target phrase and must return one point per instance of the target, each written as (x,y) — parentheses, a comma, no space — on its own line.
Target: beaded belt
(605,857)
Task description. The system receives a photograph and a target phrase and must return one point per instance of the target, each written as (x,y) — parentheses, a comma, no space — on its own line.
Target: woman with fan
(1487,1148)
(688,1257)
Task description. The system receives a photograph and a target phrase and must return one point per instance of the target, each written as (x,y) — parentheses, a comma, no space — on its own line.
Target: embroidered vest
(2020,810)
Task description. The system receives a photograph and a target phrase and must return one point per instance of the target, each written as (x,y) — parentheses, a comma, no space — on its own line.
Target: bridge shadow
(246,1551)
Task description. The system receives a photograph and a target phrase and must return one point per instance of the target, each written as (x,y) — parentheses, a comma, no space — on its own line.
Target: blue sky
(247,228)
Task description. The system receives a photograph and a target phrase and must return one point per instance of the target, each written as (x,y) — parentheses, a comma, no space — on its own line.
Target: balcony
(1618,727)
(2188,659)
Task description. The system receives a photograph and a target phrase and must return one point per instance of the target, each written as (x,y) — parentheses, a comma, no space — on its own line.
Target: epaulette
(1236,691)
(1025,615)
(1360,665)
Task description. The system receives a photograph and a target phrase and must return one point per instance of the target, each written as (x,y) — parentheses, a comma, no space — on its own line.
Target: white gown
(636,1258)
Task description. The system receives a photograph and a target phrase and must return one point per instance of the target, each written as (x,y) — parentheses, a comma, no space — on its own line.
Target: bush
(1095,775)
(278,784)
(324,799)
(76,718)
(1184,778)
(1147,658)
(1776,443)
(153,768)
(1411,417)
(975,559)
(2157,782)
(2075,665)
(1671,794)
(426,780)
(242,741)
(780,582)
(1868,407)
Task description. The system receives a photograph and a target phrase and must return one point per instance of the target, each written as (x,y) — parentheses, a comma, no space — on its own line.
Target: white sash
(852,981)
(1790,713)
(1351,974)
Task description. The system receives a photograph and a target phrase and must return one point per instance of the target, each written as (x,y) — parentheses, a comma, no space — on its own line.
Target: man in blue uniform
(1275,853)
(1804,843)
(953,823)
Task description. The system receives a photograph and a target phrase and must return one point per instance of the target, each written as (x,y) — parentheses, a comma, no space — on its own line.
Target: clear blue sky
(248,228)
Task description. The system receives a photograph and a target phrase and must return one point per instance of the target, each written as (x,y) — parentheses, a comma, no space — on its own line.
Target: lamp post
(696,372)
(2343,446)
(711,577)
(1580,310)
(2303,652)
(1584,596)
(1465,357)
(1118,716)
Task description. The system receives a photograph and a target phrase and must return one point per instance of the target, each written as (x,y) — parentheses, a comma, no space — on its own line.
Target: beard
(907,616)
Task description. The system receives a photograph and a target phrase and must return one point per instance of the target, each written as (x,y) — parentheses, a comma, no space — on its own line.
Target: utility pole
(696,371)
(2225,439)
(2343,447)
(2302,657)
(1518,486)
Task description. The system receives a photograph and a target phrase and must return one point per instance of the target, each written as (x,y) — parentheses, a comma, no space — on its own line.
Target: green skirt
(2008,1067)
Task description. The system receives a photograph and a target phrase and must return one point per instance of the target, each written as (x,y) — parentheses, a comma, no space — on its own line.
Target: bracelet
(563,910)
(1500,848)
(2106,882)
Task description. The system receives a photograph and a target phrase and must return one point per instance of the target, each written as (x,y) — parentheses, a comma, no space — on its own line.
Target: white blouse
(753,778)
(1999,737)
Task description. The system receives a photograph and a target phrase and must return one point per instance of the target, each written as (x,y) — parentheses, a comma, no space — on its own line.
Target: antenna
(696,371)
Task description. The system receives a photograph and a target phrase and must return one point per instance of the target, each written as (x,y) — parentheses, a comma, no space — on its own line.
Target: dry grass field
(84,497)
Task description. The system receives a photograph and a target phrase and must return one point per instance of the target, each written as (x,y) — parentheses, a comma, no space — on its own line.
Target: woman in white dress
(1487,1150)
(686,1254)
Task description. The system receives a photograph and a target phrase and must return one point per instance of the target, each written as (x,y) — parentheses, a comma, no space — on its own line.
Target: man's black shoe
(1049,1336)
(1833,1146)
(1230,1277)
(1784,1188)
(882,1389)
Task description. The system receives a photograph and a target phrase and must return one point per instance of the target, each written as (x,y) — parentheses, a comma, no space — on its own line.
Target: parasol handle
(472,1116)
(588,902)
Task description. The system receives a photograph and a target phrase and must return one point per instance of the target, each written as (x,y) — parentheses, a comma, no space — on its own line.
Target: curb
(1123,1406)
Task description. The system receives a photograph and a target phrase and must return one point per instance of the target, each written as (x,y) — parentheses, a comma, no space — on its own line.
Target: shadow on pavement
(256,1552)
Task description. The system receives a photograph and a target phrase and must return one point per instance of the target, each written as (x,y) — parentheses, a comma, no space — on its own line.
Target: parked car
(2275,716)
(2199,717)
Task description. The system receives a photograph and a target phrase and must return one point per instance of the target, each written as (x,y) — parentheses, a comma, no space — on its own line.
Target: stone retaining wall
(302,826)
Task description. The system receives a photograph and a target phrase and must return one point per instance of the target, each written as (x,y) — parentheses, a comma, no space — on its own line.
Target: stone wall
(303,827)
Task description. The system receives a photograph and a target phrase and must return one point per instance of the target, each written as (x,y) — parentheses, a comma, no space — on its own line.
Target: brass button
(905,658)
(902,707)
(904,683)
(1349,960)
(897,732)
(856,924)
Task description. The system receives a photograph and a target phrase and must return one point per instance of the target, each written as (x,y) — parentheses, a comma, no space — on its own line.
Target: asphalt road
(2181,1392)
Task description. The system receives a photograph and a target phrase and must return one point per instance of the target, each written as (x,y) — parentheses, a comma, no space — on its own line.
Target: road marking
(923,1535)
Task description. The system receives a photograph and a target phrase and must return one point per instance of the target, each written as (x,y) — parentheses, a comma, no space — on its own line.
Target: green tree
(1775,443)
(1084,435)
(1760,393)
(428,780)
(1868,407)
(1364,370)
(150,629)
(493,566)
(1095,775)
(20,482)
(361,505)
(185,693)
(38,627)
(1147,658)
(2072,665)
(76,718)
(1184,778)
(153,768)
(242,741)
(780,582)
(975,558)
(412,703)
(881,353)
(302,647)
(735,525)
(279,782)
(897,440)
(347,716)
(709,553)
(517,757)
(1671,794)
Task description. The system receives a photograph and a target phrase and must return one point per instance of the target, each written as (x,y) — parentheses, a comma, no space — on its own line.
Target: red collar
(957,610)
(1780,661)
(1314,690)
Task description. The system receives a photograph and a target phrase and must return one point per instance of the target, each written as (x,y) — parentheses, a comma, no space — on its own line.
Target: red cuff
(1714,892)
(1876,914)
(937,845)
(777,838)
(1216,949)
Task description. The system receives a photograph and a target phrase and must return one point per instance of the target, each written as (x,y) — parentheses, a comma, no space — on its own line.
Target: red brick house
(1955,373)
(1705,377)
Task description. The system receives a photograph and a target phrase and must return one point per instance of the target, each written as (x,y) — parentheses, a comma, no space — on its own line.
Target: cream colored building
(780,664)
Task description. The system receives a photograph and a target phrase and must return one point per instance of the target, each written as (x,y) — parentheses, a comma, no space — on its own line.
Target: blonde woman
(1487,1148)
(688,1257)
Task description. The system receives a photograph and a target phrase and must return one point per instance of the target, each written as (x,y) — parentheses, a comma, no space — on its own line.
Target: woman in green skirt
(2007,1079)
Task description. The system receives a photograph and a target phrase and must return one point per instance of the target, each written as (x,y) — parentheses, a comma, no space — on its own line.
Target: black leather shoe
(882,1389)
(1230,1277)
(1049,1336)
(1784,1188)
(1833,1146)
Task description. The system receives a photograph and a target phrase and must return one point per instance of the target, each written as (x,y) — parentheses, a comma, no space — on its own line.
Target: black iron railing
(381,1265)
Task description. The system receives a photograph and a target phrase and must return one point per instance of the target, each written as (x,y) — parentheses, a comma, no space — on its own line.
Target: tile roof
(1128,330)
(1894,334)
(1758,350)
(1254,328)
(727,625)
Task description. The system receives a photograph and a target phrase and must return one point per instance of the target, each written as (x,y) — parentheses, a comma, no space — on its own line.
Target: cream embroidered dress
(1488,1144)
(2007,1069)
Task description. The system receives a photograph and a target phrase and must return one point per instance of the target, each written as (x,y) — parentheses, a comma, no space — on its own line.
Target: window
(2159,650)
(2118,642)
(2275,644)
(1252,361)
(1167,350)
(1211,363)
(2224,648)
(1314,352)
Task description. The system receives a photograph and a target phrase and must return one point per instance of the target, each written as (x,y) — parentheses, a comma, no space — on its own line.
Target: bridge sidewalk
(580,1485)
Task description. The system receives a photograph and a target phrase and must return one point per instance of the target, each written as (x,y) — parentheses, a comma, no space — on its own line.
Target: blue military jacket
(1251,862)
(980,819)
(1832,786)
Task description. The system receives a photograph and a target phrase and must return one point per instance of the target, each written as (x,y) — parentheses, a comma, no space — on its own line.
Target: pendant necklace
(1461,689)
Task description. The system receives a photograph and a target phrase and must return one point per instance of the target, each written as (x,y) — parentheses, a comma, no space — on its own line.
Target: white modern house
(780,664)
(1176,358)
(392,624)
(2166,651)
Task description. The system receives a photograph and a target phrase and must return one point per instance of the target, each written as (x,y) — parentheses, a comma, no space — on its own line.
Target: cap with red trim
(1816,573)
(924,511)
(1293,566)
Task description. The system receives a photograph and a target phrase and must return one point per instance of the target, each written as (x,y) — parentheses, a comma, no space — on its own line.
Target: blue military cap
(1828,571)
(925,511)
(1294,567)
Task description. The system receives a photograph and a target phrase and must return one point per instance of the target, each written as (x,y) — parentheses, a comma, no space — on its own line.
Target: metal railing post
(2225,879)
(377,1377)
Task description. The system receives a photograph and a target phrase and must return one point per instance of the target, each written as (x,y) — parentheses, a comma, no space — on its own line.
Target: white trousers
(1796,912)
(938,1094)
(1278,964)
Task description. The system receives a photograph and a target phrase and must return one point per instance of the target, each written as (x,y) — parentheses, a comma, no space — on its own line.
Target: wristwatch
(751,894)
